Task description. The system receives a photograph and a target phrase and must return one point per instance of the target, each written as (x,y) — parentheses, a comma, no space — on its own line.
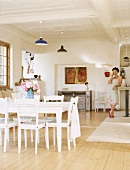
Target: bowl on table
(35,76)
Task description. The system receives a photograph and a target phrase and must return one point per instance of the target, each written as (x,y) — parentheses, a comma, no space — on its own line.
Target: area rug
(112,130)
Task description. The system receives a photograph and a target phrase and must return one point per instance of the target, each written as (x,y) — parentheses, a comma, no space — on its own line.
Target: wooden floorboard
(86,155)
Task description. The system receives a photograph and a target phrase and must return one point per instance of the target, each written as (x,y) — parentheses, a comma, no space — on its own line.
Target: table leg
(127,103)
(59,130)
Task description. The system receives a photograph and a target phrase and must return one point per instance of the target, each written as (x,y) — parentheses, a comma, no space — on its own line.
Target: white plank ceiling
(78,19)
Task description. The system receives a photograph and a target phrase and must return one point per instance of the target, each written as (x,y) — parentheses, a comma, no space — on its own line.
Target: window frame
(7,65)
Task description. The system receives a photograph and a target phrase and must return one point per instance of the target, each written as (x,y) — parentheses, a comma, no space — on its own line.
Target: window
(4,64)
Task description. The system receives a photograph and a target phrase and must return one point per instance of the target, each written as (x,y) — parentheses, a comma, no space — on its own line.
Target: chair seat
(31,125)
(10,124)
(30,122)
(47,119)
(64,123)
(24,119)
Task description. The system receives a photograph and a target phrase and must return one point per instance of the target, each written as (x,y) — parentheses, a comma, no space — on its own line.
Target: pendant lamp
(62,47)
(126,58)
(106,73)
(41,41)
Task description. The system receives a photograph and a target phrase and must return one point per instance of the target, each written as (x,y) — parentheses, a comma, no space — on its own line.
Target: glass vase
(123,82)
(30,94)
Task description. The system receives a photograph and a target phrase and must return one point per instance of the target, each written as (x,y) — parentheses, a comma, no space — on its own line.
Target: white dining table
(50,107)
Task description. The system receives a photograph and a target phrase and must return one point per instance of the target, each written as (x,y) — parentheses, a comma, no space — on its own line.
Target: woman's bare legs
(112,110)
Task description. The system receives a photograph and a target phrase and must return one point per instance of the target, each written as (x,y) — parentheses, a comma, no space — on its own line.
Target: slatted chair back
(27,109)
(17,95)
(53,98)
(5,123)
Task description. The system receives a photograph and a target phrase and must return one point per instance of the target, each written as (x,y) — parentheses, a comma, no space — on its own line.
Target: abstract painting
(75,75)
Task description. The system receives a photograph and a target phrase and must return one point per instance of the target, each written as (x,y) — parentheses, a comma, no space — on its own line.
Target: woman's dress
(113,94)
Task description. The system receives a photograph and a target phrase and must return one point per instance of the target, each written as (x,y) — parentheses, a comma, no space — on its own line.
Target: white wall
(86,53)
(46,64)
(18,41)
(60,78)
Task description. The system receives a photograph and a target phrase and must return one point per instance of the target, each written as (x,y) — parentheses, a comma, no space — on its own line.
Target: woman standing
(115,81)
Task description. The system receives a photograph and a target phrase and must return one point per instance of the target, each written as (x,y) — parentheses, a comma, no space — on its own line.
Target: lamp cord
(126,46)
(40,28)
(62,38)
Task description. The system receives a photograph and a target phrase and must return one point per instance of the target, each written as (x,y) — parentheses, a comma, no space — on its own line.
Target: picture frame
(75,75)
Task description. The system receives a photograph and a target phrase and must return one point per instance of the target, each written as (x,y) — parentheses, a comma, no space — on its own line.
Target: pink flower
(35,87)
(26,86)
(86,83)
(29,85)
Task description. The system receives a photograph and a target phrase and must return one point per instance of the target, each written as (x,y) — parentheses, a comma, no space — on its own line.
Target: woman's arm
(110,80)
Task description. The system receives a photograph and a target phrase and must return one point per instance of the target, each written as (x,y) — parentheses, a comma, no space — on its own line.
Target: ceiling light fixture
(41,41)
(126,58)
(62,47)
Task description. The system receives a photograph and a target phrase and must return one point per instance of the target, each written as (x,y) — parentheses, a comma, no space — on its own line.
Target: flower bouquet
(86,83)
(30,88)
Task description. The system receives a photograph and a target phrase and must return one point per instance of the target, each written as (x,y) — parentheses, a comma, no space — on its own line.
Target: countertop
(124,88)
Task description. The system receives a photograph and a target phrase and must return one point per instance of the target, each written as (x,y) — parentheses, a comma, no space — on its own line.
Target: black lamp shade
(62,49)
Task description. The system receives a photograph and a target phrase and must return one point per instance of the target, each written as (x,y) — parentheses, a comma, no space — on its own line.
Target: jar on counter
(123,82)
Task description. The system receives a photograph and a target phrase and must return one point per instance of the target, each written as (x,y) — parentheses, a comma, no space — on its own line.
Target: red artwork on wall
(75,75)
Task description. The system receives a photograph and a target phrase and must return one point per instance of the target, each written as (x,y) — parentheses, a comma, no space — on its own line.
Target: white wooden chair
(19,95)
(53,98)
(16,95)
(5,123)
(28,108)
(100,100)
(65,124)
